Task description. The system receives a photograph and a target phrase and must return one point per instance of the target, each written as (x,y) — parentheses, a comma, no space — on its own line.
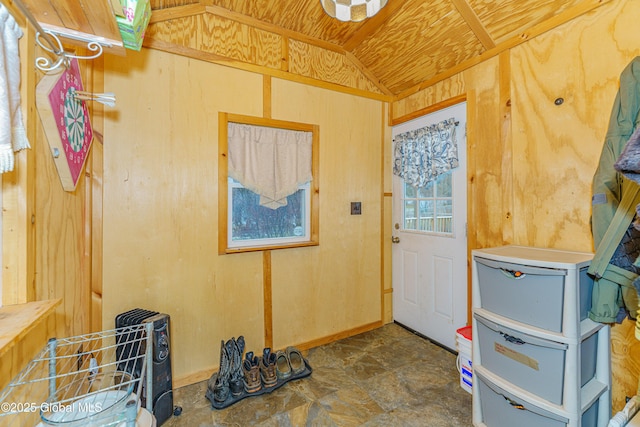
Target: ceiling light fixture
(352,10)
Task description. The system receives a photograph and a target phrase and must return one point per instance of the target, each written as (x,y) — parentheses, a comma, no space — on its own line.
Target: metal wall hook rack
(50,41)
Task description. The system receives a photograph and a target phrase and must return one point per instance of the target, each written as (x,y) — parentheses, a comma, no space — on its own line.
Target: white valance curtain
(271,162)
(421,155)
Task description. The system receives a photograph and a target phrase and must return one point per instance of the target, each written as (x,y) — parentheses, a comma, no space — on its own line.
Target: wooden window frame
(223,174)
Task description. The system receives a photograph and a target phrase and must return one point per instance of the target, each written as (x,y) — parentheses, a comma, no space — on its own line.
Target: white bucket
(463,362)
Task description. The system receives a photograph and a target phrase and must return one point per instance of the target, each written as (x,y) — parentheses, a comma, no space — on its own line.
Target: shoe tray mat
(231,399)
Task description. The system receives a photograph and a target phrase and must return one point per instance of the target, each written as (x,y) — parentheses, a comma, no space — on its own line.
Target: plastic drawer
(502,409)
(531,363)
(588,356)
(585,290)
(531,295)
(590,416)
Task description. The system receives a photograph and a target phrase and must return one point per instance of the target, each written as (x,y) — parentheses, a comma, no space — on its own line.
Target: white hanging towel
(13,136)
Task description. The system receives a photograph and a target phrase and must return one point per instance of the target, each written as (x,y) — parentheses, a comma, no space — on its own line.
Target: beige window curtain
(271,162)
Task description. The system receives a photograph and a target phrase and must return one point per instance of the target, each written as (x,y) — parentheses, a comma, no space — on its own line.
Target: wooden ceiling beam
(256,23)
(372,24)
(529,34)
(470,17)
(177,12)
(367,73)
(160,15)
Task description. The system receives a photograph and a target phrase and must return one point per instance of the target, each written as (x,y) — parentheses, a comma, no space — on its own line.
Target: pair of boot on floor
(254,372)
(236,375)
(265,371)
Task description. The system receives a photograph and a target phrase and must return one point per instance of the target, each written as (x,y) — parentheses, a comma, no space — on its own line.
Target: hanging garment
(12,133)
(616,241)
(628,164)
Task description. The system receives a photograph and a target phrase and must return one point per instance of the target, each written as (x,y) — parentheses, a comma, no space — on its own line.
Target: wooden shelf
(70,19)
(17,320)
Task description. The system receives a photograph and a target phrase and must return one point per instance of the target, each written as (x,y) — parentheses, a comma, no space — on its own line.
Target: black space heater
(162,384)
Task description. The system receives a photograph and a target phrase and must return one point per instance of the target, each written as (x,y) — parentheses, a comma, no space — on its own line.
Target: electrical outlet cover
(356,208)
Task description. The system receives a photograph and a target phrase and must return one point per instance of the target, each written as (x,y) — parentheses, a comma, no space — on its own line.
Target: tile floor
(386,377)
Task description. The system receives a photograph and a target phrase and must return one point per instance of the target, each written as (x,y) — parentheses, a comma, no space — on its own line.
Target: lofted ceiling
(408,41)
(407,44)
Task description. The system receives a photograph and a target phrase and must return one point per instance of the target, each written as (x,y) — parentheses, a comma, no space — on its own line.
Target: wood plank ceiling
(408,43)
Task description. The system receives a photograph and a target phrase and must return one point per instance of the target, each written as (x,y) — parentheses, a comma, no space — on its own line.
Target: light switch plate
(356,208)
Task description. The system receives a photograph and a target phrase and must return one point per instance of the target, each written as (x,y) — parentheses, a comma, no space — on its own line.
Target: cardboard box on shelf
(132,22)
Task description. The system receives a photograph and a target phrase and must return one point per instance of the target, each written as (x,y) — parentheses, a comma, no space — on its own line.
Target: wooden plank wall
(531,161)
(161,218)
(63,234)
(17,191)
(46,231)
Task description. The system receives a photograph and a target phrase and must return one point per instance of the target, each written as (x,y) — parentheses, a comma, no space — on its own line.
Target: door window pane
(409,191)
(444,216)
(426,215)
(429,209)
(410,214)
(426,192)
(443,185)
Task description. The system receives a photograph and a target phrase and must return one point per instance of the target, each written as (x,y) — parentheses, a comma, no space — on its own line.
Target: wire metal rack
(95,379)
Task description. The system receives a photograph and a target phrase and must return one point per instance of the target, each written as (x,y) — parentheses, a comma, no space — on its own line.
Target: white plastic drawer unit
(501,408)
(538,360)
(531,363)
(534,286)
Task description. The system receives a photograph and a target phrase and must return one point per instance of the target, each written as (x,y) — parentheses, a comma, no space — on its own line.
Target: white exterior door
(430,245)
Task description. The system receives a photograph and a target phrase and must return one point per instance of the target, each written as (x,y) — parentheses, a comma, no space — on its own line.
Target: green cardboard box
(133,22)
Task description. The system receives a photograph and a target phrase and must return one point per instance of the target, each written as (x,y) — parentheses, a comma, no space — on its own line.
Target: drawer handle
(513,274)
(515,404)
(512,339)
